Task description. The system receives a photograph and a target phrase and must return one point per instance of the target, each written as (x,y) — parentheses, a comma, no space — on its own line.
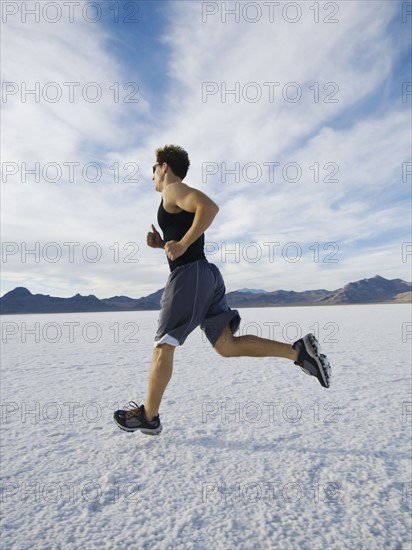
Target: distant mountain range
(367,291)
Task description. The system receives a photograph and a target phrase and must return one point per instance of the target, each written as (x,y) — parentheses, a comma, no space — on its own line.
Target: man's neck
(166,184)
(172,180)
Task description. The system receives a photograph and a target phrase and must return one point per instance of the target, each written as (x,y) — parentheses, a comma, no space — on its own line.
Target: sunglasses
(154,166)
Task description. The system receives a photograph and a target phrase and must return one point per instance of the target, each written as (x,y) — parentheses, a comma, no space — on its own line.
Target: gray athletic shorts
(194,295)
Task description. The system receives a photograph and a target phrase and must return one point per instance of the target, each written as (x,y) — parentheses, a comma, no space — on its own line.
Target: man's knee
(226,344)
(224,351)
(164,349)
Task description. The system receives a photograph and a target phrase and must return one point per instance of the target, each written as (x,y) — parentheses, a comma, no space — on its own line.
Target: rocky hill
(369,291)
(366,291)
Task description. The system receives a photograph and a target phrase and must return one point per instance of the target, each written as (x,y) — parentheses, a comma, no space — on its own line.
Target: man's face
(158,176)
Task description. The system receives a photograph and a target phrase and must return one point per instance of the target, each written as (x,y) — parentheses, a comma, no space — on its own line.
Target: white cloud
(69,62)
(356,55)
(68,136)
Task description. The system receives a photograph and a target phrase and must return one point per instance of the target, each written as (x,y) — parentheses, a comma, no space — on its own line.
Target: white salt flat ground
(254,454)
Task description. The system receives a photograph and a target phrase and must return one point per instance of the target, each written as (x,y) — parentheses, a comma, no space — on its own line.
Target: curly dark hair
(176,157)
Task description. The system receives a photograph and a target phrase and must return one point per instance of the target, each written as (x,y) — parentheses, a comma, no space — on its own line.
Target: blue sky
(316,191)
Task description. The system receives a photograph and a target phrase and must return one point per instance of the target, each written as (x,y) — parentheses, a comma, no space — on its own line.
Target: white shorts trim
(166,339)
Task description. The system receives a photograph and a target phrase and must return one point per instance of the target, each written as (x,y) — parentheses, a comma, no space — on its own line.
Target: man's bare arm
(190,200)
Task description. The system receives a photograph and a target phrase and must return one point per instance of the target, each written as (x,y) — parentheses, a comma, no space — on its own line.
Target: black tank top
(174,227)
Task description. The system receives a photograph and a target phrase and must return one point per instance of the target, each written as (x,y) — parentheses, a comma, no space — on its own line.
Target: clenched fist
(174,249)
(153,239)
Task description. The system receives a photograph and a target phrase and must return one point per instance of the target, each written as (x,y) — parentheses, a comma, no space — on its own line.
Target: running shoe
(311,361)
(134,418)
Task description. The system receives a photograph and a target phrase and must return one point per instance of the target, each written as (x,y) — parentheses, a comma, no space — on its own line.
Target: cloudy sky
(296,117)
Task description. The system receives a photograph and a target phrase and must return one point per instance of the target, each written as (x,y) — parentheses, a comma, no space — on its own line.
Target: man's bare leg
(252,346)
(160,375)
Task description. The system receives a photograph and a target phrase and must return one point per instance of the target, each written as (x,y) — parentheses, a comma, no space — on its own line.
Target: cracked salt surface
(254,454)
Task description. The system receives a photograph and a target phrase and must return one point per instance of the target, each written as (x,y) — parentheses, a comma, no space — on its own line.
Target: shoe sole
(313,349)
(158,431)
(145,431)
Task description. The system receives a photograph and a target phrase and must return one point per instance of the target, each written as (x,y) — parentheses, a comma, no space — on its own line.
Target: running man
(195,295)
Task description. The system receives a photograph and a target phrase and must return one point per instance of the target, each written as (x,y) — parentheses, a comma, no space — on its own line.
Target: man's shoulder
(174,193)
(177,190)
(184,197)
